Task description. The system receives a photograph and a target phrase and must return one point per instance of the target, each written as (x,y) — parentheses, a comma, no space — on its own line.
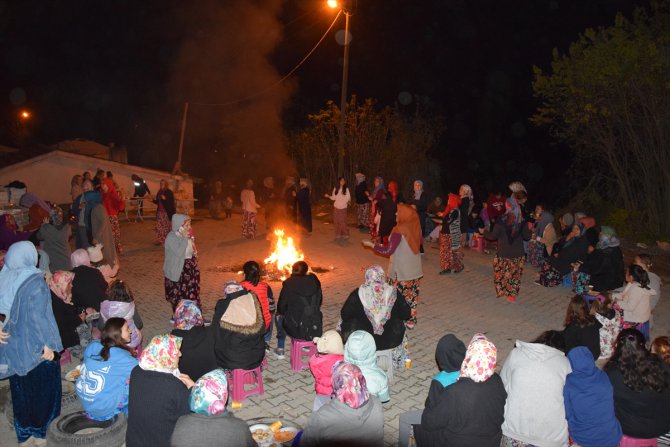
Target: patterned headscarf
(480,359)
(162,354)
(465,191)
(379,187)
(210,393)
(607,241)
(187,315)
(232,287)
(59,282)
(377,298)
(80,257)
(349,385)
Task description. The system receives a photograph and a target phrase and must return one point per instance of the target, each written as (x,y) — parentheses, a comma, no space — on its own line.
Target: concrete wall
(49,175)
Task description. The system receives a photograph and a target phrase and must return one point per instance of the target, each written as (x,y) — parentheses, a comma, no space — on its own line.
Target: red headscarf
(453,202)
(408,225)
(393,190)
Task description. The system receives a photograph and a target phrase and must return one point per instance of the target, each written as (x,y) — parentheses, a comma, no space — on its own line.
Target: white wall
(49,175)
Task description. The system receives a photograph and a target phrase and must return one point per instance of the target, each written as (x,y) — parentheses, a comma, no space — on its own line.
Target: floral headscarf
(162,354)
(59,282)
(480,359)
(377,298)
(187,315)
(349,385)
(232,287)
(465,191)
(210,393)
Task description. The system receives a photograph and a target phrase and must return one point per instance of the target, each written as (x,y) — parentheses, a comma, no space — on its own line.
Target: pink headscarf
(349,385)
(59,282)
(480,359)
(80,257)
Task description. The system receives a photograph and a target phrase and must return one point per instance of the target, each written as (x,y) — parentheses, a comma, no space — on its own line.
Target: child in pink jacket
(330,351)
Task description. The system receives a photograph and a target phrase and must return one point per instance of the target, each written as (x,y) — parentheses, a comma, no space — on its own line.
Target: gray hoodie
(534,376)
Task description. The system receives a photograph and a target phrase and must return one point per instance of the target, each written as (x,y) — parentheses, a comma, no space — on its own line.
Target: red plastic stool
(299,350)
(65,357)
(242,377)
(477,243)
(627,441)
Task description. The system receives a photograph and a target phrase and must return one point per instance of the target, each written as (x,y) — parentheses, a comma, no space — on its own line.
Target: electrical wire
(288,75)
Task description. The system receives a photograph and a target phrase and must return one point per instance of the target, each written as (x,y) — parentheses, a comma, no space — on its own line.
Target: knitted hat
(95,253)
(330,343)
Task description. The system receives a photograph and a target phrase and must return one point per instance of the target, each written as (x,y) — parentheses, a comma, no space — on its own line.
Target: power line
(288,75)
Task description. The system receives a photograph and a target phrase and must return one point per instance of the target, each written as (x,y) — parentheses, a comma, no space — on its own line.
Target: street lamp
(345,77)
(24,114)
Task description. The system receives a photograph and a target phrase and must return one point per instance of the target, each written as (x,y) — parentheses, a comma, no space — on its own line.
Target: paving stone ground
(461,304)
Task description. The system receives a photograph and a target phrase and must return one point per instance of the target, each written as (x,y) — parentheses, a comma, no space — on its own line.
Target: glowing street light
(332,4)
(24,114)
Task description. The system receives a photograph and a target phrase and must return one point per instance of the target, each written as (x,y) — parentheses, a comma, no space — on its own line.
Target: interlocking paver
(463,304)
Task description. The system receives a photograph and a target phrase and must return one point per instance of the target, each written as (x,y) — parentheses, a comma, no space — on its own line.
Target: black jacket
(354,319)
(387,221)
(464,414)
(156,400)
(588,336)
(606,269)
(297,293)
(576,250)
(67,320)
(89,287)
(168,203)
(197,351)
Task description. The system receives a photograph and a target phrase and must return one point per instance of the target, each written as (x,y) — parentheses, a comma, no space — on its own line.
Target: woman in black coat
(373,308)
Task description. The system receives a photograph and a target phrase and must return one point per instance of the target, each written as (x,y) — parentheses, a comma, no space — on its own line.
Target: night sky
(119,71)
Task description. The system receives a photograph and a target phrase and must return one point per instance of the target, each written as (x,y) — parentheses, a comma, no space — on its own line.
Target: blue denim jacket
(31,326)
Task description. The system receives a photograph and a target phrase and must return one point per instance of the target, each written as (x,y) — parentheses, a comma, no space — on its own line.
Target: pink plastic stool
(299,350)
(65,357)
(242,377)
(627,441)
(477,243)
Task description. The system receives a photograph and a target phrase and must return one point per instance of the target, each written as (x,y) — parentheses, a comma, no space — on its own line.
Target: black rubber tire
(63,430)
(67,400)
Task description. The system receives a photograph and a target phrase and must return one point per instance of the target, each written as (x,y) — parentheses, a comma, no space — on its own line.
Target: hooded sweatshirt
(175,249)
(589,403)
(360,350)
(534,376)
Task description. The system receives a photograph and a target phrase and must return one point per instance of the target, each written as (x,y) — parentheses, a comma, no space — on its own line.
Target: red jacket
(110,199)
(261,291)
(321,366)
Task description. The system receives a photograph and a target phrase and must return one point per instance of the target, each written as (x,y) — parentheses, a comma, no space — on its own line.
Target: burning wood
(284,255)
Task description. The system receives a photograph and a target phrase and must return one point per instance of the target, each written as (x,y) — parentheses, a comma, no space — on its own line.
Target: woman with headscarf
(465,208)
(387,209)
(249,209)
(10,233)
(159,394)
(27,355)
(55,237)
(573,249)
(89,287)
(98,226)
(362,201)
(451,256)
(420,203)
(209,423)
(304,205)
(182,275)
(65,313)
(376,196)
(166,209)
(544,236)
(360,350)
(405,269)
(354,417)
(510,231)
(373,308)
(603,268)
(113,205)
(469,412)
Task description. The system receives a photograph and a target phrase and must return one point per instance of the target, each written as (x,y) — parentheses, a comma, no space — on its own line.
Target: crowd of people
(598,382)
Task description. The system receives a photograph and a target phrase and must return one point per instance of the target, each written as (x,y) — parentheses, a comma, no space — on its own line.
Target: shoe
(39,441)
(445,272)
(267,348)
(511,299)
(279,352)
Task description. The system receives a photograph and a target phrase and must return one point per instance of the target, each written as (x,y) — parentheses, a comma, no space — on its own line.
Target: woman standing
(510,232)
(465,208)
(166,209)
(451,256)
(362,201)
(420,203)
(27,355)
(405,268)
(341,198)
(304,205)
(55,237)
(376,197)
(98,226)
(544,236)
(75,186)
(182,275)
(250,209)
(113,205)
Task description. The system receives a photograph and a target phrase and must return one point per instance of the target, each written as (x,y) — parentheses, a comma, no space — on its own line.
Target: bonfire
(284,255)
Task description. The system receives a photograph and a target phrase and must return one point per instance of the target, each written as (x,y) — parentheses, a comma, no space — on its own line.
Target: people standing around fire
(362,202)
(299,307)
(341,198)
(249,210)
(405,269)
(451,256)
(166,209)
(303,199)
(182,274)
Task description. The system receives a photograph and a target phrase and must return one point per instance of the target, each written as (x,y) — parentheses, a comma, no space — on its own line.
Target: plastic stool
(477,243)
(627,441)
(385,362)
(299,350)
(65,357)
(242,377)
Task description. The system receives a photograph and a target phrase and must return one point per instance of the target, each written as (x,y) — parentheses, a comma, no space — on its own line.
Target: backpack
(310,323)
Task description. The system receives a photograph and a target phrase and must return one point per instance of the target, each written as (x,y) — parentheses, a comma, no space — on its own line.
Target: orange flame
(285,253)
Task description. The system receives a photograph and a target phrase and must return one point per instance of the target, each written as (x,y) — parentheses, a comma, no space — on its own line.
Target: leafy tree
(379,141)
(609,96)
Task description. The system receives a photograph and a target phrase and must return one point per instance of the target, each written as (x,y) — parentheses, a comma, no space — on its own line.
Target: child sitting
(330,351)
(635,300)
(104,377)
(120,304)
(581,328)
(610,322)
(360,350)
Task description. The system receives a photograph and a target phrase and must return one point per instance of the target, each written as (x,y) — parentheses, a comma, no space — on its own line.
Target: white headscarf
(377,298)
